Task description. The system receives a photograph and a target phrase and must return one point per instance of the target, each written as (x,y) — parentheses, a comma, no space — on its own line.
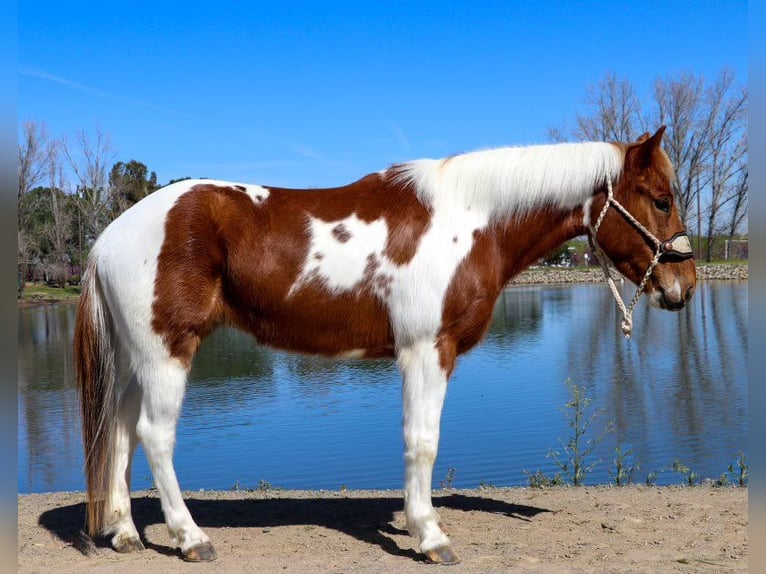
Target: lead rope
(627,312)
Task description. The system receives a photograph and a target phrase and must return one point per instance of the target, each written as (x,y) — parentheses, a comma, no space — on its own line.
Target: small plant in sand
(722,480)
(264,486)
(574,458)
(448,478)
(736,473)
(624,466)
(739,469)
(539,479)
(691,478)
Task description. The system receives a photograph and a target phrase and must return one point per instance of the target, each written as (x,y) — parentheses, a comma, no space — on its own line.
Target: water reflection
(677,389)
(49,434)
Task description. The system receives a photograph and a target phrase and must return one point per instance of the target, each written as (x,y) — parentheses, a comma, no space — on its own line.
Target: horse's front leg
(425,367)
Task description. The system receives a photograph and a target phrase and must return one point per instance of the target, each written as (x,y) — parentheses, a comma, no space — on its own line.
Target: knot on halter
(677,248)
(627,326)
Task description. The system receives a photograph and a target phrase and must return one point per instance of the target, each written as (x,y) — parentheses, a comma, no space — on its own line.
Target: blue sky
(319,94)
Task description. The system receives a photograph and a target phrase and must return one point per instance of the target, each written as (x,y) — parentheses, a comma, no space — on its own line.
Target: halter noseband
(677,248)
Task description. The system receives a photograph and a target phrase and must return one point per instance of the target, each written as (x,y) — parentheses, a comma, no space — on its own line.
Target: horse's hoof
(125,544)
(201,553)
(442,555)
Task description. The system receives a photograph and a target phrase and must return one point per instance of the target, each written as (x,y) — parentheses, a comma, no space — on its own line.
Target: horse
(405,263)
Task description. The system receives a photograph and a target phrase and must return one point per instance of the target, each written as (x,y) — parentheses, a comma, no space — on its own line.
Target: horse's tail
(94,359)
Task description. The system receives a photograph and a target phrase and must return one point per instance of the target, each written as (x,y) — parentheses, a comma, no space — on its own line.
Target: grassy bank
(38,293)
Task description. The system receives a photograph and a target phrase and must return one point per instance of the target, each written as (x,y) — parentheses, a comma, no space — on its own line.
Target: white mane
(503,182)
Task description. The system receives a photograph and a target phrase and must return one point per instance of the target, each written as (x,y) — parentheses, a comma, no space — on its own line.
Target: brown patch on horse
(407,218)
(226,260)
(447,354)
(340,233)
(187,292)
(499,252)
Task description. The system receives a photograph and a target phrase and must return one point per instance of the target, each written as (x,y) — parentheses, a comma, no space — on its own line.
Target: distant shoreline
(554,275)
(535,276)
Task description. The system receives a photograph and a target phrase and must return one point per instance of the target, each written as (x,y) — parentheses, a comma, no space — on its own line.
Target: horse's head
(649,229)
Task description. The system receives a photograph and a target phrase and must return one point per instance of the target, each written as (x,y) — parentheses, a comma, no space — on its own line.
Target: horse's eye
(662,204)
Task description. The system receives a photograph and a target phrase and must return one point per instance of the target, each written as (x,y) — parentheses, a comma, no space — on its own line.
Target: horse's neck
(523,240)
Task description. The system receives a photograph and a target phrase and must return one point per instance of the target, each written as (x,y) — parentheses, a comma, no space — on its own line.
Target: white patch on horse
(341,252)
(257,193)
(586,212)
(352,354)
(418,289)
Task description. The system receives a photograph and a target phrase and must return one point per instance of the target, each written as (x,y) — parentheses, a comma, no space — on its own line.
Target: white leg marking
(119,521)
(423,391)
(163,391)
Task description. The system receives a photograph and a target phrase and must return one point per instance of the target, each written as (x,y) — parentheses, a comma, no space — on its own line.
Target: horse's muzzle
(675,299)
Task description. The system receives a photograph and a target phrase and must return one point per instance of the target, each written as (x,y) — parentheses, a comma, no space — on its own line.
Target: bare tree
(738,201)
(615,112)
(35,149)
(88,158)
(58,230)
(680,106)
(726,148)
(705,140)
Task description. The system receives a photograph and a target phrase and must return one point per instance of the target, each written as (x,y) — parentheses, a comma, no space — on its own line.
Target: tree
(679,105)
(59,229)
(615,112)
(705,141)
(726,149)
(59,218)
(35,149)
(48,225)
(738,199)
(88,158)
(33,156)
(128,184)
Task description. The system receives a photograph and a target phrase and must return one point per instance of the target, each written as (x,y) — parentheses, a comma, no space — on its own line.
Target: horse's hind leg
(118,520)
(162,384)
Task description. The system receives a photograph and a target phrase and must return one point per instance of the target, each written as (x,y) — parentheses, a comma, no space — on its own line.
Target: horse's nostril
(689,293)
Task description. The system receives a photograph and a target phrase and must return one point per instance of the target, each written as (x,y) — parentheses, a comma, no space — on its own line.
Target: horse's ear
(657,137)
(642,151)
(643,137)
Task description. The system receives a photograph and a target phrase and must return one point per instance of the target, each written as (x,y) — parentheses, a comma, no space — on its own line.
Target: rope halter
(677,248)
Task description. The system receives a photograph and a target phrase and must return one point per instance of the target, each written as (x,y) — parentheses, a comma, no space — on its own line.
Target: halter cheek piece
(677,248)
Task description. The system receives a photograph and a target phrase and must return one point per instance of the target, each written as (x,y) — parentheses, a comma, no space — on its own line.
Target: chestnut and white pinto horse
(404,263)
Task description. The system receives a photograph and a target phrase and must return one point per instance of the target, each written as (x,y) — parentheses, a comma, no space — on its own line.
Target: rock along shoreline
(548,275)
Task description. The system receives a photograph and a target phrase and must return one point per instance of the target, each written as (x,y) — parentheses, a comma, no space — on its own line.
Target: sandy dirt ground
(553,530)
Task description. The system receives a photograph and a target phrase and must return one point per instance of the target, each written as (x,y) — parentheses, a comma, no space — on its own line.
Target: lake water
(678,389)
